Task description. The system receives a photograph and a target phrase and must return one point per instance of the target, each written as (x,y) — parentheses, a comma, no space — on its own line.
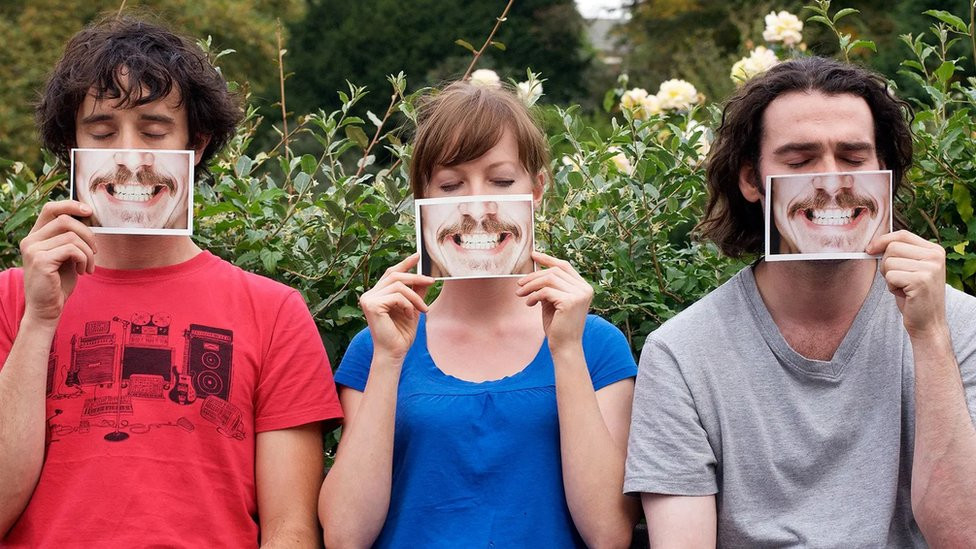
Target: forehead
(93,108)
(805,117)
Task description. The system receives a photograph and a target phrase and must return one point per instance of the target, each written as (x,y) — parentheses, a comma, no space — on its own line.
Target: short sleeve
(354,367)
(607,352)
(295,385)
(11,309)
(962,323)
(668,451)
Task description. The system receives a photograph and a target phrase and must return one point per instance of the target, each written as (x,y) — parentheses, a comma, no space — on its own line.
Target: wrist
(566,351)
(34,323)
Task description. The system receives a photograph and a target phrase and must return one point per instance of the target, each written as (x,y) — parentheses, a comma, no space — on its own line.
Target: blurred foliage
(362,42)
(35,31)
(697,40)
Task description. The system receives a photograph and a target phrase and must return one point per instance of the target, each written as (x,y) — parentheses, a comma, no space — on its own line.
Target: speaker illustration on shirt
(93,356)
(209,353)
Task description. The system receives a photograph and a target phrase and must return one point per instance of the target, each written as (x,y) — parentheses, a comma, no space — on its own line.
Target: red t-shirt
(158,381)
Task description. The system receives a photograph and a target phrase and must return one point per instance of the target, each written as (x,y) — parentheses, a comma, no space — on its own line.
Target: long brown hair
(735,224)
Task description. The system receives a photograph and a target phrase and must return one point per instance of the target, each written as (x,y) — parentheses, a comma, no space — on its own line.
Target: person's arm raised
(58,249)
(355,496)
(593,425)
(944,465)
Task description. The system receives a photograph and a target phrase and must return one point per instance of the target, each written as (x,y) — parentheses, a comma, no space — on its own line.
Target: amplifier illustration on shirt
(133,374)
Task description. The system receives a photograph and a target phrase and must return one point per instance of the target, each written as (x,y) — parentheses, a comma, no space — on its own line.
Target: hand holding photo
(826,215)
(135,191)
(475,236)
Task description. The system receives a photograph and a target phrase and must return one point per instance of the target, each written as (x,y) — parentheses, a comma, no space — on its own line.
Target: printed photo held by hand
(475,236)
(826,215)
(135,191)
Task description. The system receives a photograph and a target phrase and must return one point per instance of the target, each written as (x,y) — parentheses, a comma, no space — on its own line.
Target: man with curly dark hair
(824,403)
(150,392)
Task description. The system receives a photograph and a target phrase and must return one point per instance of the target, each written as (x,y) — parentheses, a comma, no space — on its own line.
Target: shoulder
(960,307)
(607,351)
(12,280)
(700,321)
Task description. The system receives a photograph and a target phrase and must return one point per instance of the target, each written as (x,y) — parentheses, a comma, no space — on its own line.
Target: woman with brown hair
(498,415)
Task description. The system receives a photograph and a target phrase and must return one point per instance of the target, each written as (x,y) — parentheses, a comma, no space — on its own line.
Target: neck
(815,291)
(127,252)
(480,301)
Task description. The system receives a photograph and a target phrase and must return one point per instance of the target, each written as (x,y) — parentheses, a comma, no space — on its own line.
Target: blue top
(477,464)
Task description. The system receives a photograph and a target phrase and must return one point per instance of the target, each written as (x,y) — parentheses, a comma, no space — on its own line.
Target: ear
(747,183)
(199,145)
(539,187)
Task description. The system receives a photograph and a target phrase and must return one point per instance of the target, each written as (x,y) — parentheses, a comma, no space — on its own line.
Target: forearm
(22,418)
(291,536)
(355,496)
(944,466)
(592,461)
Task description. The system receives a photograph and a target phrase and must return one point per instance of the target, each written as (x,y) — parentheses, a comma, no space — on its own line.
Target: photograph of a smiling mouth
(142,186)
(845,208)
(466,234)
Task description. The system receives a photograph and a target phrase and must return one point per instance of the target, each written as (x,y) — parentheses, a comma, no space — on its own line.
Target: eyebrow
(813,147)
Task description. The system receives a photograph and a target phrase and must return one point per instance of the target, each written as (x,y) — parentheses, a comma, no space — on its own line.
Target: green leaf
(945,71)
(466,45)
(243,166)
(844,13)
(949,19)
(964,201)
(17,220)
(498,45)
(820,19)
(863,44)
(270,259)
(309,164)
(355,133)
(374,119)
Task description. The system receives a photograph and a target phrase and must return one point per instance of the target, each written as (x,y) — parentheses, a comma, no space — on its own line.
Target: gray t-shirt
(798,452)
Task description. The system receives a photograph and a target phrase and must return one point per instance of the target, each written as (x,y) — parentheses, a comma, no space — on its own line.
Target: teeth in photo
(479,241)
(133,193)
(832,216)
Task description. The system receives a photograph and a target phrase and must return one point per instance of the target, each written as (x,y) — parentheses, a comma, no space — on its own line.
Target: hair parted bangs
(737,225)
(463,121)
(133,61)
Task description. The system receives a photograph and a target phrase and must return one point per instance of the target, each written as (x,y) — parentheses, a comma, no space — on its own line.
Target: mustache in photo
(846,198)
(145,176)
(490,224)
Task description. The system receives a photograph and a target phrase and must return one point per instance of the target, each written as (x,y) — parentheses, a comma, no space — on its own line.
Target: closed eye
(449,187)
(503,182)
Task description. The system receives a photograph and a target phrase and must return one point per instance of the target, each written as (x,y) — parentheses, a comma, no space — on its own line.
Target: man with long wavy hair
(810,403)
(151,393)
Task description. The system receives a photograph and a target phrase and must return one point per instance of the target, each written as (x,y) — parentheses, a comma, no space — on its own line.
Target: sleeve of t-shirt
(668,451)
(354,367)
(961,315)
(607,353)
(295,385)
(11,309)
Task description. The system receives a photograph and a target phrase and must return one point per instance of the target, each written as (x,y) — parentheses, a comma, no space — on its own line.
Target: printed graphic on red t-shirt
(117,365)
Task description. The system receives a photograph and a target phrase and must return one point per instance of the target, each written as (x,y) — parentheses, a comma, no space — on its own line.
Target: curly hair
(737,225)
(463,121)
(155,60)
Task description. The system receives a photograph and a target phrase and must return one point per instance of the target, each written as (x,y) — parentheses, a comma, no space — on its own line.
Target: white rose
(485,78)
(621,162)
(758,61)
(677,95)
(529,91)
(640,103)
(702,143)
(783,27)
